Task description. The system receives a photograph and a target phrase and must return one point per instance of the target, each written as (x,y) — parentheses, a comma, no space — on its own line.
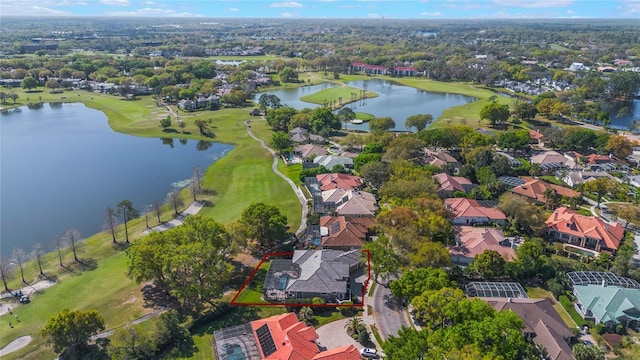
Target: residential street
(388,312)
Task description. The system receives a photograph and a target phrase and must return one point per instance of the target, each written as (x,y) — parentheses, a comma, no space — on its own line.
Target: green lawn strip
(252,293)
(376,334)
(242,58)
(372,289)
(330,95)
(325,316)
(568,306)
(539,293)
(291,171)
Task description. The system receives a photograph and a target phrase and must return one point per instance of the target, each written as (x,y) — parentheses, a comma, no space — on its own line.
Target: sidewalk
(193,209)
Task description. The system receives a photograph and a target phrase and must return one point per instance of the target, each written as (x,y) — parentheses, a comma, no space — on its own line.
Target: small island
(337,97)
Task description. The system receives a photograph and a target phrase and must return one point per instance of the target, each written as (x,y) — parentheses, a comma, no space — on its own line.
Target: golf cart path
(296,189)
(15,345)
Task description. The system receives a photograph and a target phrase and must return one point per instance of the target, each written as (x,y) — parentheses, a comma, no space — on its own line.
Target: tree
(128,212)
(619,146)
(71,330)
(288,75)
(196,182)
(419,121)
(514,141)
(29,83)
(381,124)
(165,123)
(72,237)
(531,259)
(354,325)
(111,223)
(264,223)
(415,282)
(14,97)
(587,352)
(375,173)
(323,121)
(174,198)
(59,244)
(38,254)
(525,111)
(345,115)
(280,141)
(191,263)
(5,270)
(18,256)
(495,112)
(279,118)
(157,209)
(430,254)
(489,265)
(599,186)
(268,101)
(405,147)
(384,260)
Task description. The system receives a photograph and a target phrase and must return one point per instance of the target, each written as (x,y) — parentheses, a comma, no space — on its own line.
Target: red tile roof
(451,183)
(345,231)
(338,181)
(567,221)
(461,207)
(294,340)
(348,352)
(474,241)
(534,189)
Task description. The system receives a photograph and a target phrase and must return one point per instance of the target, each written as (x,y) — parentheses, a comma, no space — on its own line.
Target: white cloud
(148,3)
(289,14)
(428,13)
(116,2)
(286,4)
(150,12)
(31,11)
(533,4)
(234,9)
(630,6)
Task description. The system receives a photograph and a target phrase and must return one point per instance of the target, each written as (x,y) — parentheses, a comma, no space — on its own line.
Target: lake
(394,100)
(61,165)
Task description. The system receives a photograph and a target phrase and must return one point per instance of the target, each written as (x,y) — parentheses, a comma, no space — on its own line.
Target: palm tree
(354,325)
(551,197)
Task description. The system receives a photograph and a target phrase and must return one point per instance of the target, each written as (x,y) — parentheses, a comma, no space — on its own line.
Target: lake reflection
(62,165)
(394,100)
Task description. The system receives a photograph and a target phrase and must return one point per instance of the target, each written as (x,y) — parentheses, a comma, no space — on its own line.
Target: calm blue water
(61,166)
(394,100)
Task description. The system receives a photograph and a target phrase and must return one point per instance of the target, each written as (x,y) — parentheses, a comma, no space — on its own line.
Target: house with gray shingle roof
(312,273)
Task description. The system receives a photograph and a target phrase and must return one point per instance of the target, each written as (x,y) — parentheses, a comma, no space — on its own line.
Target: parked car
(369,353)
(24,299)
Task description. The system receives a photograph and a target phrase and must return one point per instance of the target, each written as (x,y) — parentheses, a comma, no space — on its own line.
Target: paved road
(296,189)
(388,312)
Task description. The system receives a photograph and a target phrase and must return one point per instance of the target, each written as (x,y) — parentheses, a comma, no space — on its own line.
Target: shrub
(601,328)
(363,338)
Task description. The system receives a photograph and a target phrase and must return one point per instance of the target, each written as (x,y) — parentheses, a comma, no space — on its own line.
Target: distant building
(472,212)
(448,185)
(369,69)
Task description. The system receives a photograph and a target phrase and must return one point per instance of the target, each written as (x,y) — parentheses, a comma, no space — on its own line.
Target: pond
(62,165)
(394,100)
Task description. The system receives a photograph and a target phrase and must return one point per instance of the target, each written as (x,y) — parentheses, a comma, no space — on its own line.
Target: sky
(363,9)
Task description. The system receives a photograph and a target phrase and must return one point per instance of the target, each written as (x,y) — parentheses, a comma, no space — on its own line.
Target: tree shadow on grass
(120,246)
(169,130)
(88,264)
(236,316)
(155,297)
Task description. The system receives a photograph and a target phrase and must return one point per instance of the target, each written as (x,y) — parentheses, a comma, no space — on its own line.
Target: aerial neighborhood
(323,189)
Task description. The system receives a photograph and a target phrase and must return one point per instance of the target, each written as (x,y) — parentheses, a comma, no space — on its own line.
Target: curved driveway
(296,189)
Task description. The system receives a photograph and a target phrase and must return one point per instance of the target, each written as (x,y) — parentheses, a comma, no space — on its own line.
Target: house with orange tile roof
(535,137)
(472,241)
(338,181)
(441,158)
(588,232)
(535,189)
(470,212)
(448,185)
(280,337)
(345,232)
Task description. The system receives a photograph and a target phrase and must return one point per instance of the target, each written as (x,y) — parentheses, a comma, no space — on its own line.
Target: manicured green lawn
(348,95)
(364,116)
(252,293)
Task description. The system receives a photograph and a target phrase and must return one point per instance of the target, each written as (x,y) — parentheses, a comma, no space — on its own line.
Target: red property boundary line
(290,253)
